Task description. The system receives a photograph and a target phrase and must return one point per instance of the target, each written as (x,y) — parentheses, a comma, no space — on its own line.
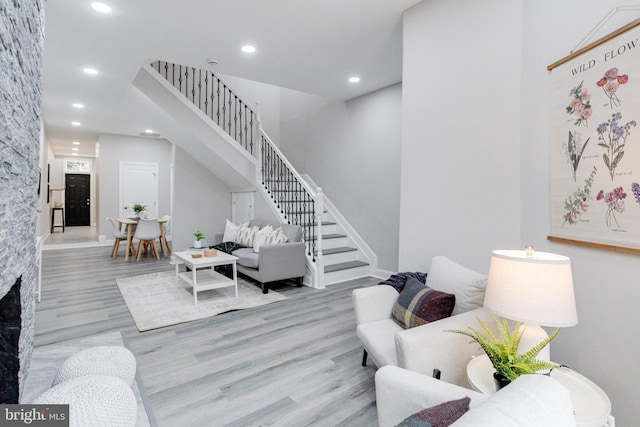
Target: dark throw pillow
(397,281)
(442,415)
(417,304)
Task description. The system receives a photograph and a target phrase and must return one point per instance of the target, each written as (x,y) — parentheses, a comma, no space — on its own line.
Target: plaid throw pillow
(418,304)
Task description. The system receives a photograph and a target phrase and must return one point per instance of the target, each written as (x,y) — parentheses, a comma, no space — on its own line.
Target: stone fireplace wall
(21,48)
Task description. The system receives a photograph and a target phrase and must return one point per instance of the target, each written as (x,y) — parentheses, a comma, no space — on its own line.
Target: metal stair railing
(214,98)
(295,200)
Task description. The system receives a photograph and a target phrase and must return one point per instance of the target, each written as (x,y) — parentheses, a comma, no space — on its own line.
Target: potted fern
(503,351)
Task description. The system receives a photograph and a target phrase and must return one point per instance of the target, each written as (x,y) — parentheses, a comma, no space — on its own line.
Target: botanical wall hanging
(595,143)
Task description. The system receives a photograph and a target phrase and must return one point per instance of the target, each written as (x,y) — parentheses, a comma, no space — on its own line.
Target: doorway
(77,199)
(139,184)
(241,207)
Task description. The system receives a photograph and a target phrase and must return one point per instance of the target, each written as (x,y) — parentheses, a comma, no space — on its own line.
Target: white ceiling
(312,46)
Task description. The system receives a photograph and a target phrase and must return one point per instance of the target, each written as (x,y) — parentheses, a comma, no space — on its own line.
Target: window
(77,166)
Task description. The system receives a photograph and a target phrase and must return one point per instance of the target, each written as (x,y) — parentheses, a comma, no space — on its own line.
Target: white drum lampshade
(531,287)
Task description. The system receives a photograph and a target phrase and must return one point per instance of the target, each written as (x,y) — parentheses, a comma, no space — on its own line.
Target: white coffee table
(591,405)
(207,279)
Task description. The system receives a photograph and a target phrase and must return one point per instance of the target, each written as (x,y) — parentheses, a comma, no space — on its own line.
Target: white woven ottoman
(115,361)
(94,400)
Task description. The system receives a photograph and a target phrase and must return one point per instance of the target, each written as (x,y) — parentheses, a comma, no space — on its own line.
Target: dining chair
(120,236)
(147,231)
(166,218)
(166,225)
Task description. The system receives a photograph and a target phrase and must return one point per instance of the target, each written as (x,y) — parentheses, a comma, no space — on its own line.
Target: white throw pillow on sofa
(231,231)
(246,234)
(467,285)
(261,237)
(277,236)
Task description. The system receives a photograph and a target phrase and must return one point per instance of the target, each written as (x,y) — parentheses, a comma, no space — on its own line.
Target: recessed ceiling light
(150,133)
(75,123)
(75,143)
(91,71)
(248,49)
(101,7)
(354,79)
(74,154)
(74,149)
(77,105)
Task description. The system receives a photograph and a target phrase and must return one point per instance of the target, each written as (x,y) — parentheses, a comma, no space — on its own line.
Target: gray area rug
(46,360)
(155,300)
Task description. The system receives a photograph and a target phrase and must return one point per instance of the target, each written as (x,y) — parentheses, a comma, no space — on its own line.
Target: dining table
(130,222)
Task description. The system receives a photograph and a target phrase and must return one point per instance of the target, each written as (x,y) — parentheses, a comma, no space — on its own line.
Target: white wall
(352,150)
(117,148)
(603,346)
(201,202)
(460,193)
(252,92)
(262,208)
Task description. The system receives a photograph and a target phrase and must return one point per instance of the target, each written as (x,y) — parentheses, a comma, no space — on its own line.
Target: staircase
(341,258)
(346,255)
(225,127)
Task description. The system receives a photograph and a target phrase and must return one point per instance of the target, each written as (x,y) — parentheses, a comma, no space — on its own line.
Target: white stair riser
(341,257)
(334,243)
(329,229)
(348,274)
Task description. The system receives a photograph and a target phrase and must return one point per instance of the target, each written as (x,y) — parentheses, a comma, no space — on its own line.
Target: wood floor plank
(291,363)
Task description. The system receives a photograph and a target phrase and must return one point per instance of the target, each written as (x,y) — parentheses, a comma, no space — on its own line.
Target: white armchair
(428,347)
(529,401)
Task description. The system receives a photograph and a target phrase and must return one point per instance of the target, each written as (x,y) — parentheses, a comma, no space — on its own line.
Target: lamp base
(532,336)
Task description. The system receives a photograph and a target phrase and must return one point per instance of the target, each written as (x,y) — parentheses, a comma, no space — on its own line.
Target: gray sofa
(273,262)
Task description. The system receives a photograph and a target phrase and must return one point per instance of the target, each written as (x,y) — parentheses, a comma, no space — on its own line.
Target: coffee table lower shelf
(202,276)
(207,280)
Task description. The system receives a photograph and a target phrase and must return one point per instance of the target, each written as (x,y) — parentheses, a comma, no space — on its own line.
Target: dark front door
(77,199)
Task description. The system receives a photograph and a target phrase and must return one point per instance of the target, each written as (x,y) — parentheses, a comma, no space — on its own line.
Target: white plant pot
(197,244)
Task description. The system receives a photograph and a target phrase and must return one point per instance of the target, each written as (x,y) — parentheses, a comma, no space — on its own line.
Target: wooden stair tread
(328,236)
(344,266)
(339,250)
(324,223)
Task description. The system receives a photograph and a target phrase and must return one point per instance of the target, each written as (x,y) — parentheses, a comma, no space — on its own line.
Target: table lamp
(535,288)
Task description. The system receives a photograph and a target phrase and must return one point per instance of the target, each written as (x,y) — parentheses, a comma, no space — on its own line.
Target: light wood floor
(72,235)
(292,363)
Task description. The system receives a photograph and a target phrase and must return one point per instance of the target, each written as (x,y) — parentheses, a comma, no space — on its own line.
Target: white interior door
(241,207)
(139,184)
